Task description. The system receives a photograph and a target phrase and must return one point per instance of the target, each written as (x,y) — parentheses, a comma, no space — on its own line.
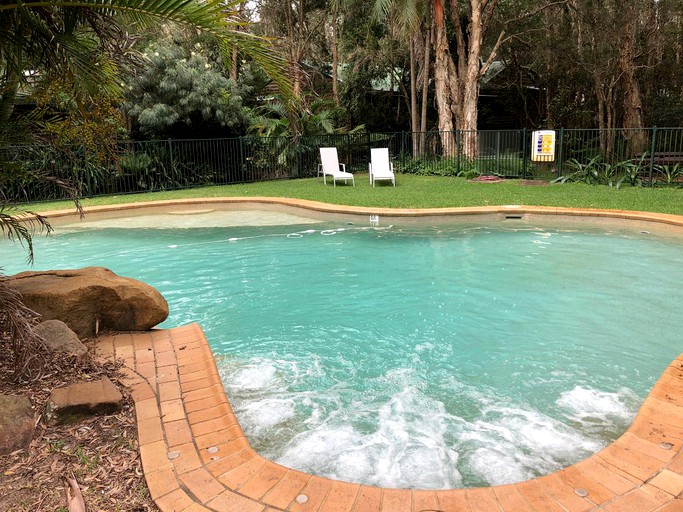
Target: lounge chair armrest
(391,166)
(343,167)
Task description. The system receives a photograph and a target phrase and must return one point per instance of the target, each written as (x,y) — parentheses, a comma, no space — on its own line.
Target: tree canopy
(388,64)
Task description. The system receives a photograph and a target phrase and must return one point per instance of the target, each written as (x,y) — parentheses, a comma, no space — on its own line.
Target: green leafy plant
(56,446)
(88,462)
(630,172)
(598,172)
(588,172)
(432,167)
(670,174)
(469,174)
(135,163)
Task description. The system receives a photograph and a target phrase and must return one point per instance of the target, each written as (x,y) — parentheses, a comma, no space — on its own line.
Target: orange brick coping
(675,220)
(196,458)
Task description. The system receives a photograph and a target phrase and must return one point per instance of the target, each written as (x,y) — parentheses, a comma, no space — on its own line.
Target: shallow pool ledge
(196,458)
(194,203)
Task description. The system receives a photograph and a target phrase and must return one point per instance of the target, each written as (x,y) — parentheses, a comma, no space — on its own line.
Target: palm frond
(21,227)
(16,325)
(213,16)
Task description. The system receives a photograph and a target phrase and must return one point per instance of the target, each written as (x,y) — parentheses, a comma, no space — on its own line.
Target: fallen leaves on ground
(101,452)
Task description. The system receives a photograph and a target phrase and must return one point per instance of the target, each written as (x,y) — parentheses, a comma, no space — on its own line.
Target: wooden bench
(664,158)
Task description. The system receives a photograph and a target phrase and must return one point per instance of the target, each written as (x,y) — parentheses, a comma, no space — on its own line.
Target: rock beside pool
(92,299)
(59,338)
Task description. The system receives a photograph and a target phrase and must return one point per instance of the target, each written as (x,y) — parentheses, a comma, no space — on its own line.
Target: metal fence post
(652,152)
(525,156)
(560,153)
(454,140)
(170,157)
(369,144)
(242,163)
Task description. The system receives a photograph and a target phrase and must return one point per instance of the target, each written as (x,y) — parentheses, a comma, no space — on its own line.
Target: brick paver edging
(196,458)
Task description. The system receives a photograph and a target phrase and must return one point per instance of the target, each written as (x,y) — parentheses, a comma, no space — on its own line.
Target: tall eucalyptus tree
(411,18)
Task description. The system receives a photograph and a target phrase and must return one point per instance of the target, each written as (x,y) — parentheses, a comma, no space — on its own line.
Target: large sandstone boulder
(17,422)
(76,401)
(91,299)
(59,338)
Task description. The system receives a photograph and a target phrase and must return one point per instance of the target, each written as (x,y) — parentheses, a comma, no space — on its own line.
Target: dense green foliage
(181,93)
(88,49)
(375,61)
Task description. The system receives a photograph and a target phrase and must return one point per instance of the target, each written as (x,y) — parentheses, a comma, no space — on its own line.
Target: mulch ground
(101,452)
(486,178)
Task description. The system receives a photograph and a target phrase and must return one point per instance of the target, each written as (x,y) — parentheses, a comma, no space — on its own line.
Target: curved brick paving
(196,457)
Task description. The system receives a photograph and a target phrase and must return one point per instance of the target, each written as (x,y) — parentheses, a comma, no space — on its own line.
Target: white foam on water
(253,377)
(498,467)
(422,347)
(511,444)
(394,433)
(404,446)
(590,406)
(264,414)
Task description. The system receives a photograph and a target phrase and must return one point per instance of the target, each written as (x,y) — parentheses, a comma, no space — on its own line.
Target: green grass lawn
(422,192)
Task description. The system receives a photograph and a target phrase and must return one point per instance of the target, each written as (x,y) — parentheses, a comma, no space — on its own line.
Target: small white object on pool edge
(301,499)
(581,492)
(173,455)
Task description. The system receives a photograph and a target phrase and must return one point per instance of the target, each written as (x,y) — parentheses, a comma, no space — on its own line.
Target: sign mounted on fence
(543,146)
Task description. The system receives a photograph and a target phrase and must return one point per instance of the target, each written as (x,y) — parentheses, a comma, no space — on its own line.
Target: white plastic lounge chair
(331,167)
(380,166)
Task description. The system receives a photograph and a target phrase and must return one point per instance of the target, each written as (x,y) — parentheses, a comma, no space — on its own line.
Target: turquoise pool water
(431,358)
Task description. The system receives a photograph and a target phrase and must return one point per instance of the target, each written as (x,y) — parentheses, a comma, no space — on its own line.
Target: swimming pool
(435,357)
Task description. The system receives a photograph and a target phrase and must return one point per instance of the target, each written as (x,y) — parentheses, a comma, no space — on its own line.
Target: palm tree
(293,118)
(290,127)
(78,44)
(78,41)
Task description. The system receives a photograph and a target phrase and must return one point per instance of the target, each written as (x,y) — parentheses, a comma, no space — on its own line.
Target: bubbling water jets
(392,432)
(391,445)
(599,410)
(265,414)
(510,443)
(254,377)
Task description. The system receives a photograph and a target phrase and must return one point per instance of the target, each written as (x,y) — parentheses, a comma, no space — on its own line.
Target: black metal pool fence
(649,157)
